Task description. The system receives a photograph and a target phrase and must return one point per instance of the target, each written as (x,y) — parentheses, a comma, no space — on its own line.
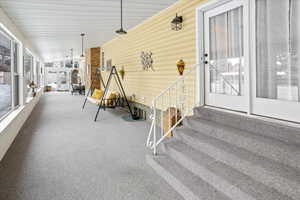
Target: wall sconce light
(180,66)
(176,23)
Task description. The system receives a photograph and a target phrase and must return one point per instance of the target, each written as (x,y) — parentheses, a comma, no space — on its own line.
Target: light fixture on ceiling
(71,50)
(121,31)
(82,37)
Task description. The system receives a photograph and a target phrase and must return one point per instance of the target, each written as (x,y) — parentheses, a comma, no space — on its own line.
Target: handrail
(174,83)
(178,90)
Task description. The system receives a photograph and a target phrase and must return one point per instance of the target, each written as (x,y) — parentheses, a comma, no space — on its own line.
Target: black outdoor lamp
(82,37)
(121,31)
(71,56)
(176,23)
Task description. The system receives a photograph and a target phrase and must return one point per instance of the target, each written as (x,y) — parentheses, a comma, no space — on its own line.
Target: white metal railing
(171,106)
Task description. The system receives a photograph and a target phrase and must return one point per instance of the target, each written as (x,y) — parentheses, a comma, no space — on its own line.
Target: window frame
(13,72)
(16,74)
(32,77)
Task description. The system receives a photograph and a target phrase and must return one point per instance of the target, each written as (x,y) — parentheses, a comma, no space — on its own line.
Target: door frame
(255,105)
(200,48)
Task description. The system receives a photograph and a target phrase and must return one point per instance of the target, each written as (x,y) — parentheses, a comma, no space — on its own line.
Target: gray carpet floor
(61,154)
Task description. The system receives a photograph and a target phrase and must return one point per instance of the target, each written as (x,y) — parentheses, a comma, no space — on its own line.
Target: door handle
(205,61)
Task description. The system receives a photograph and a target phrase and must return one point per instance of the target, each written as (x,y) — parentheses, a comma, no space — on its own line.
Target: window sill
(9,118)
(29,99)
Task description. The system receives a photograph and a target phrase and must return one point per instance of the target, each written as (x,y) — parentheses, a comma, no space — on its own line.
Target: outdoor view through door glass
(226,53)
(277,49)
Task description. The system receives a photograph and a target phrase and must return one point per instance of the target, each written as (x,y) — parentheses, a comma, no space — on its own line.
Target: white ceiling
(54,26)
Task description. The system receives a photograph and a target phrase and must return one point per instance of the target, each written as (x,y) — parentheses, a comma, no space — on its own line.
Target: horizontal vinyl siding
(167,46)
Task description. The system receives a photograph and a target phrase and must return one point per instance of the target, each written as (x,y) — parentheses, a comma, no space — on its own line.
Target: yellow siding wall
(167,46)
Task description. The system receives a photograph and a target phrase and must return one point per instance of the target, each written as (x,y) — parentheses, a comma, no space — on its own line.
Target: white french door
(226,56)
(276,59)
(251,54)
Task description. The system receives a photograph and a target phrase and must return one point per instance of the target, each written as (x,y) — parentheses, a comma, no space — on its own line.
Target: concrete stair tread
(191,187)
(266,146)
(261,125)
(246,134)
(233,183)
(276,175)
(278,168)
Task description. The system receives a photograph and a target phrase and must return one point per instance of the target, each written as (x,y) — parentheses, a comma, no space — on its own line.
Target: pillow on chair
(97,94)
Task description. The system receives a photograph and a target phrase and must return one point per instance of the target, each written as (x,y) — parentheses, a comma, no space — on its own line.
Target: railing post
(154,131)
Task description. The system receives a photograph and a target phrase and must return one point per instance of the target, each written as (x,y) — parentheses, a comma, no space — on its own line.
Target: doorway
(250,55)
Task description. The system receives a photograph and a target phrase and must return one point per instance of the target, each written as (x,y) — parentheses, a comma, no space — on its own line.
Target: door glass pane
(277,49)
(5,76)
(226,53)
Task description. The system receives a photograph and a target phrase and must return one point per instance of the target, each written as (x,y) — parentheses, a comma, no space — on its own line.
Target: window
(28,71)
(5,75)
(42,76)
(9,74)
(37,72)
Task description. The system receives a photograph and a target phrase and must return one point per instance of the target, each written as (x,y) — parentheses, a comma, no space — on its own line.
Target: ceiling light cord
(122,14)
(121,31)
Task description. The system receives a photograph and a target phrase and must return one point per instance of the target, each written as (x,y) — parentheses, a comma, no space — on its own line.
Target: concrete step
(277,150)
(283,178)
(224,178)
(187,184)
(284,131)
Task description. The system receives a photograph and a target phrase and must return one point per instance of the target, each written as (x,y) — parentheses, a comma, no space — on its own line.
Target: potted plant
(122,73)
(32,85)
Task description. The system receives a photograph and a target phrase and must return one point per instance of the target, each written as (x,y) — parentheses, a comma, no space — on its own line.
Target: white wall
(11,125)
(4,19)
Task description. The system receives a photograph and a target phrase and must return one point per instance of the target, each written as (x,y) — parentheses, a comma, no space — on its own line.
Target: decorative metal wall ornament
(147,60)
(176,23)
